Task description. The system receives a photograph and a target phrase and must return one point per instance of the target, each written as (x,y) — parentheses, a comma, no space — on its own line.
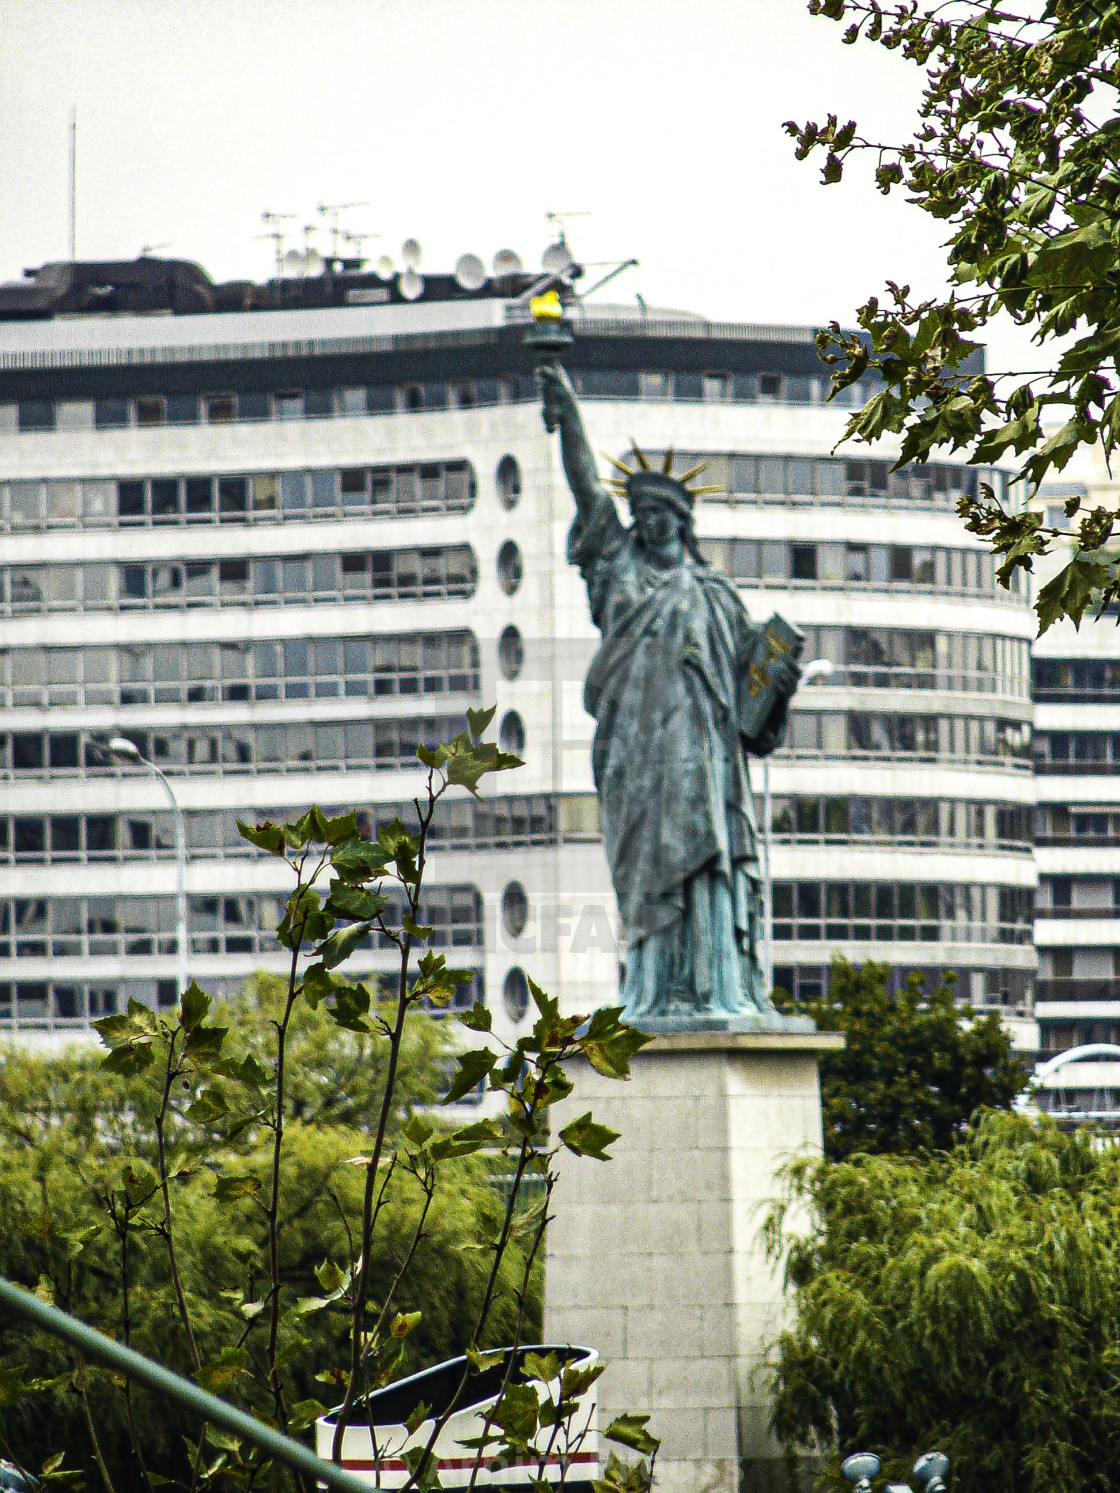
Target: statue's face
(657,524)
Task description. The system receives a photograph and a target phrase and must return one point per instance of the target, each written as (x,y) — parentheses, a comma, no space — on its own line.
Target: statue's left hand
(785,672)
(557,395)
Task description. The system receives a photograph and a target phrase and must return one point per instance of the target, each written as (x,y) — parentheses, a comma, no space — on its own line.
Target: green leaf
(338,948)
(480,1362)
(318,985)
(630,1430)
(210,1105)
(350,1007)
(304,1413)
(312,828)
(330,1277)
(1070,593)
(266,836)
(129,1058)
(609,1044)
(341,829)
(418,1130)
(468,1140)
(221,1372)
(585,1137)
(478,1018)
(517,1412)
(229,1188)
(403,1323)
(418,931)
(474,1066)
(354,902)
(545,1004)
(217,1436)
(423,1467)
(542,1368)
(434,759)
(204,1043)
(417,1418)
(478,720)
(194,1006)
(469,764)
(357,861)
(304,920)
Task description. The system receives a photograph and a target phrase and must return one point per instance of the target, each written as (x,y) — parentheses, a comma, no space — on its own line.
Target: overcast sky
(462,122)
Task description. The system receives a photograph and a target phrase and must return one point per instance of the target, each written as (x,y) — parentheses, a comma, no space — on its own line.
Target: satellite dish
(312,262)
(292,263)
(411,253)
(556,258)
(411,285)
(506,262)
(385,267)
(470,272)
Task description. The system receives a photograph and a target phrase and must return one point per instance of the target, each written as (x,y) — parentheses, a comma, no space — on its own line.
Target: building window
(515,994)
(511,652)
(221,409)
(110,414)
(182,409)
(655,385)
(511,733)
(509,567)
(35,414)
(515,909)
(151,410)
(508,482)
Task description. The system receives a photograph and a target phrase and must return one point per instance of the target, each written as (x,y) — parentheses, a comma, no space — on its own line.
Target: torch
(549,337)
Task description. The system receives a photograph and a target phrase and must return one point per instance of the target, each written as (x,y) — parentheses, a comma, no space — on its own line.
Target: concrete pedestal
(655,1257)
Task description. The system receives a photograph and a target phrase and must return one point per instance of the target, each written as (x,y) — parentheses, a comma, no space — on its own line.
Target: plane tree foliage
(967,1300)
(263,1193)
(912,1072)
(1017,151)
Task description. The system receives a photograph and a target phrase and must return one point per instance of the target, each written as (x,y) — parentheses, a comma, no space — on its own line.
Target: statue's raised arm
(561,412)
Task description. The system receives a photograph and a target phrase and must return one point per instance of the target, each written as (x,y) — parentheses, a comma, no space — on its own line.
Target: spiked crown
(642,481)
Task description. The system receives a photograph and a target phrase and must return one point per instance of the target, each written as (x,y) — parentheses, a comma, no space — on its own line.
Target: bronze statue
(672,687)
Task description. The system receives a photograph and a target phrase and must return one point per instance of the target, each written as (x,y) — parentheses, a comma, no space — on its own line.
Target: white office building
(277,535)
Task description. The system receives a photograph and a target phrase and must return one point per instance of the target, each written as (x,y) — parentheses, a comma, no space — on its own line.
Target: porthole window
(511,733)
(515,994)
(511,652)
(509,567)
(508,482)
(515,909)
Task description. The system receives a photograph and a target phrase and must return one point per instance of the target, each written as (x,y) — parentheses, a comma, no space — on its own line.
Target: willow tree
(968,1300)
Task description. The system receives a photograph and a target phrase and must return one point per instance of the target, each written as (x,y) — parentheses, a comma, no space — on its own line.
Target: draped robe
(670,770)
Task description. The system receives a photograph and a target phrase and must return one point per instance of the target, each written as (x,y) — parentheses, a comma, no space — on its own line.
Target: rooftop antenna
(612,274)
(312,259)
(73,185)
(357,240)
(331,210)
(561,221)
(276,234)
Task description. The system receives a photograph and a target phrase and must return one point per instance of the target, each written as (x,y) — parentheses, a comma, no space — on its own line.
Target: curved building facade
(277,547)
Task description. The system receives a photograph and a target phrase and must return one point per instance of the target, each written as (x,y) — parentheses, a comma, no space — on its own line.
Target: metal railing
(154,1376)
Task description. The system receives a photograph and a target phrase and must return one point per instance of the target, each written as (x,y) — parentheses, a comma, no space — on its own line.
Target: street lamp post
(124,751)
(817,668)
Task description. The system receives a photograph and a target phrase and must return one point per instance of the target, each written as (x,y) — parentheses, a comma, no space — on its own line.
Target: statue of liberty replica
(683,688)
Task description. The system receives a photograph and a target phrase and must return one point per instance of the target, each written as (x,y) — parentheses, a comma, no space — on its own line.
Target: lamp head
(817,668)
(123,750)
